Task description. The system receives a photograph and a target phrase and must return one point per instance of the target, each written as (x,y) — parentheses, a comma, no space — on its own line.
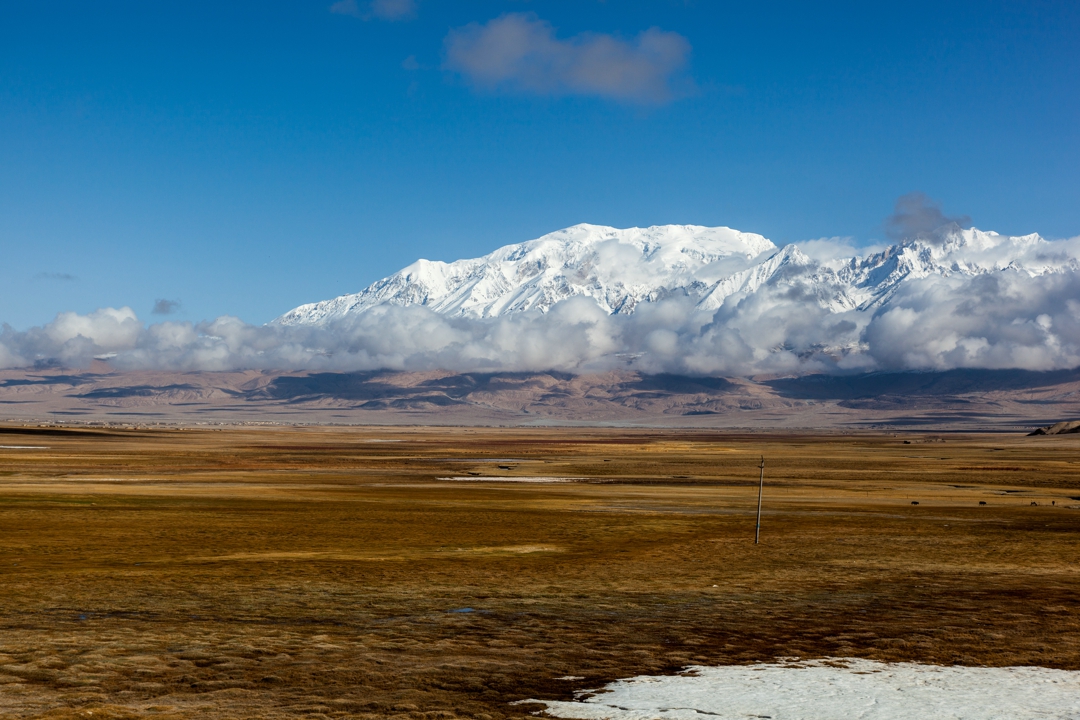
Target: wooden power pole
(760,488)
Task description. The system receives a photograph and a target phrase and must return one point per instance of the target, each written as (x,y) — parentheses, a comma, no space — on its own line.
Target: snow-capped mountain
(621,269)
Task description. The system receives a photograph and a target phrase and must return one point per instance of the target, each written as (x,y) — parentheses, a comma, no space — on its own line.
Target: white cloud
(520,52)
(1006,319)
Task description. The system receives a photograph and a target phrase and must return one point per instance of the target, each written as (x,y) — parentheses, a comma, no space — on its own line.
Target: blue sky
(242,158)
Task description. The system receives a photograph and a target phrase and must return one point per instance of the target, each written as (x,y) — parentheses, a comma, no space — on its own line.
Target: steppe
(442,572)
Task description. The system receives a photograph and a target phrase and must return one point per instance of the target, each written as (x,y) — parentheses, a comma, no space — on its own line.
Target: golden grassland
(329,572)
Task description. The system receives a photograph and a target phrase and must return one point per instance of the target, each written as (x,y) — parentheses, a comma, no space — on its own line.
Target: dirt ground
(333,572)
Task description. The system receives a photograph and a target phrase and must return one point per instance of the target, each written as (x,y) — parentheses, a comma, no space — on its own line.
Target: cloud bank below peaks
(1019,309)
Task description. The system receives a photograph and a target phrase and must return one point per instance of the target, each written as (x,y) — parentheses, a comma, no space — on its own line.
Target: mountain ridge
(620,269)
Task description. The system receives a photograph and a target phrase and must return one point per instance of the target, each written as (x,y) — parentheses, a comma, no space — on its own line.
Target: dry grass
(318,572)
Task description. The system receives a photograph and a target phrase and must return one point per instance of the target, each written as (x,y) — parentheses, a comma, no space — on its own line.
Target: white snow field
(835,690)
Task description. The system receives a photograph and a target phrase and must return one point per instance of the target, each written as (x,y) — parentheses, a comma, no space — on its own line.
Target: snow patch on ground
(834,689)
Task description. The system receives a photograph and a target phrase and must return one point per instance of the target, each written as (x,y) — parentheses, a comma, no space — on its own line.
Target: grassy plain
(329,572)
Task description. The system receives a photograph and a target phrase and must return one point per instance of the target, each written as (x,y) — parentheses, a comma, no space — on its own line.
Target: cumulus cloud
(376,9)
(165,307)
(520,52)
(917,215)
(1004,319)
(572,335)
(72,339)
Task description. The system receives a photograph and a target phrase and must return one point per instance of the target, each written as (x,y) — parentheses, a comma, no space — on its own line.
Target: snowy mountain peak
(622,268)
(618,268)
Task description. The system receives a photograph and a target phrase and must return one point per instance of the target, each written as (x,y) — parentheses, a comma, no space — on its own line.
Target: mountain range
(594,323)
(675,325)
(620,269)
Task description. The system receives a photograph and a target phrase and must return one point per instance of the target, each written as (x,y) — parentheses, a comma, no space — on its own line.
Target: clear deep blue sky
(245,157)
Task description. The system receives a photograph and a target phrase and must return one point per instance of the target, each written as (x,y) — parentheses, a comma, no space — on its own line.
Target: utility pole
(760,488)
